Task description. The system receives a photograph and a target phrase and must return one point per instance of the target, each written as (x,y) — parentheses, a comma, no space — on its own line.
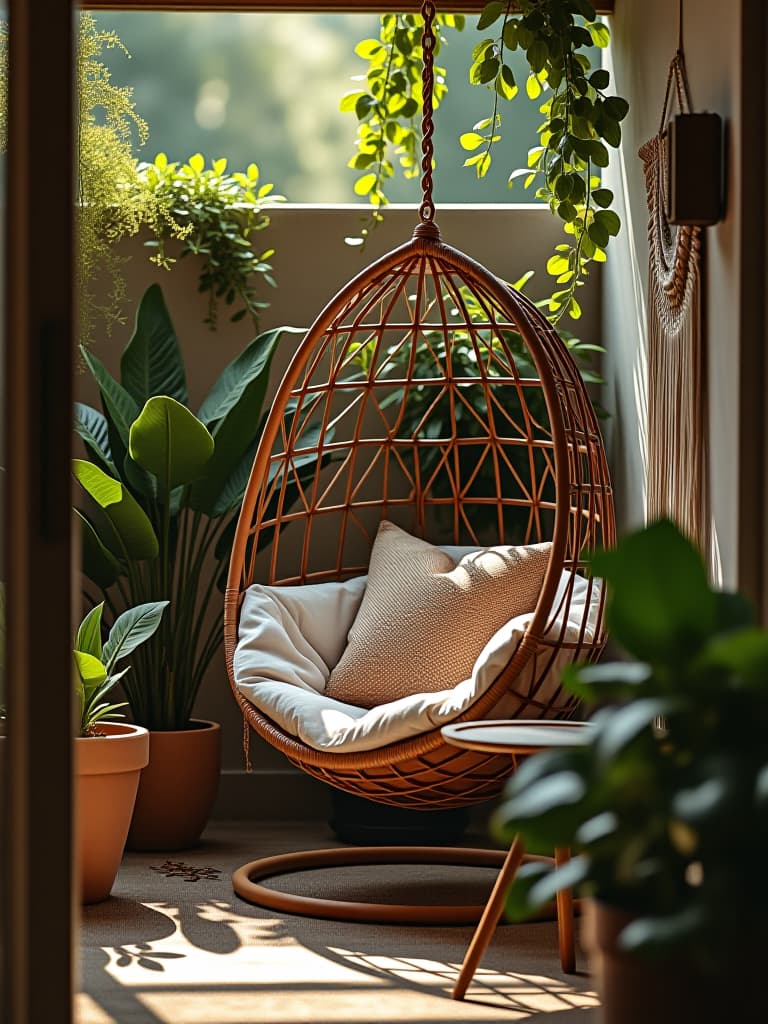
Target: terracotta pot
(637,989)
(107,768)
(177,788)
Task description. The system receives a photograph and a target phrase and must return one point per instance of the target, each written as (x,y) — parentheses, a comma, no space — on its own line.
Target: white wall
(644,41)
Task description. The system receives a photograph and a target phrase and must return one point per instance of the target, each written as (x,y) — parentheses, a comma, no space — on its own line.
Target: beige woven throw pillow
(424,618)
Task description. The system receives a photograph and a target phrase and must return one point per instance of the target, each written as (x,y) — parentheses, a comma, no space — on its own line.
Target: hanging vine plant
(581,120)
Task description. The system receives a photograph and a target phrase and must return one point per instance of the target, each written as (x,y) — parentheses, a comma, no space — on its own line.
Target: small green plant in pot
(666,808)
(109,756)
(164,486)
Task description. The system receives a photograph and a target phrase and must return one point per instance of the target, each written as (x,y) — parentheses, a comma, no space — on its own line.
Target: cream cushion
(291,637)
(425,617)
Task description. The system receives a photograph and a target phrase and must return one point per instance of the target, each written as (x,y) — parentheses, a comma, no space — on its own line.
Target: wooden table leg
(565,919)
(489,920)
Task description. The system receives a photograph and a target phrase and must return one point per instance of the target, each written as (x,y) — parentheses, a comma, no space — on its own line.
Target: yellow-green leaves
(215,214)
(132,535)
(169,441)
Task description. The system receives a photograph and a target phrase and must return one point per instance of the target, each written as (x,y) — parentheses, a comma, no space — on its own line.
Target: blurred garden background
(266,88)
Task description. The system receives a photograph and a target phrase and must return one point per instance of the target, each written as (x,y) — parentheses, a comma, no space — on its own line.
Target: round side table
(516,738)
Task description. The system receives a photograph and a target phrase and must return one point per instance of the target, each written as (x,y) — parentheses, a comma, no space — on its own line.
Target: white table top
(510,735)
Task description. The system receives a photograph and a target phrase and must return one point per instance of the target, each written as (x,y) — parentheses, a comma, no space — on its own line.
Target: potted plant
(165,488)
(109,755)
(666,808)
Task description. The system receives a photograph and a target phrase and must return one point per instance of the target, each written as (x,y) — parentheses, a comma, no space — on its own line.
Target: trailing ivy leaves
(581,122)
(386,105)
(215,214)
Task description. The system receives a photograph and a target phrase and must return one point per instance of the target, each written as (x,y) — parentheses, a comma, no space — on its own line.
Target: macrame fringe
(678,487)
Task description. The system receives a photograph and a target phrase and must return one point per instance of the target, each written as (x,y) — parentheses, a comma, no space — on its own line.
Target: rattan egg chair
(431,394)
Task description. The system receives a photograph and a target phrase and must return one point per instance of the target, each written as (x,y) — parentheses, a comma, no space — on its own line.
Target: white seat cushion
(290,638)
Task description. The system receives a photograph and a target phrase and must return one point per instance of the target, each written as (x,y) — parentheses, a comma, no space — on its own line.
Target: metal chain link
(427,208)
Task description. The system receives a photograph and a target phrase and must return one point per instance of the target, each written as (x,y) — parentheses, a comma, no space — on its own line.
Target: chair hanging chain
(427,208)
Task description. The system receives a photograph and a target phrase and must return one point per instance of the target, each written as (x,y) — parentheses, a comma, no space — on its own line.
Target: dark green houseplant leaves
(162,485)
(666,806)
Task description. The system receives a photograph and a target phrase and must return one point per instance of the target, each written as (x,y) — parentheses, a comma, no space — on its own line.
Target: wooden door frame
(753,326)
(38,900)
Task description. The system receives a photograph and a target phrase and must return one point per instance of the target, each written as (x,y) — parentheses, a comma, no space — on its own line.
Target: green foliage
(581,122)
(94,663)
(164,488)
(468,417)
(666,807)
(215,214)
(388,107)
(111,204)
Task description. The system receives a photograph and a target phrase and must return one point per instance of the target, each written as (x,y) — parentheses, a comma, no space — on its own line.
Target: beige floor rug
(176,946)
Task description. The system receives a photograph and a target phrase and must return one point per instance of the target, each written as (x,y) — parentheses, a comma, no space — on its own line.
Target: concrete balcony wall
(311,263)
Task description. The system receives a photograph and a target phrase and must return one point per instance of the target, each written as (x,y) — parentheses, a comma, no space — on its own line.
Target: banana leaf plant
(164,488)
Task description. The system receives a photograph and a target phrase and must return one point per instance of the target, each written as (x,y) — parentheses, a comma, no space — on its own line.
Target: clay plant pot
(107,769)
(177,788)
(636,989)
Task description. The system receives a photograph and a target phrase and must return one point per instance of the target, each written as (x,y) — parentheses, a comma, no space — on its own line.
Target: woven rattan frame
(519,455)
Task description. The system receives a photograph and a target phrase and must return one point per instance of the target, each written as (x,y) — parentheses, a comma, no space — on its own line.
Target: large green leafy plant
(164,486)
(666,808)
(580,120)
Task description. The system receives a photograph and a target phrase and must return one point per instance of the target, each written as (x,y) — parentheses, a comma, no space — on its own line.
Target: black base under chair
(367,823)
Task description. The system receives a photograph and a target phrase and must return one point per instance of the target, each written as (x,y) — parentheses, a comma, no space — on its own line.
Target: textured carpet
(181,948)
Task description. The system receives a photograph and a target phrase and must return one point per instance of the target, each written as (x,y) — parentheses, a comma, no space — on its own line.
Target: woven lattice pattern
(431,395)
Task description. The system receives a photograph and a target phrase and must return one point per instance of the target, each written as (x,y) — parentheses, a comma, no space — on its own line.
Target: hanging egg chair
(430,394)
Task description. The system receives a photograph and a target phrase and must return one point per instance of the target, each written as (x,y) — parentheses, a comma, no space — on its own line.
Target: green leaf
(600,33)
(484,72)
(620,727)
(368,48)
(365,184)
(471,140)
(91,670)
(609,220)
(490,13)
(171,442)
(518,906)
(744,652)
(660,605)
(132,527)
(616,107)
(600,79)
(99,564)
(537,55)
(120,406)
(608,681)
(348,101)
(88,640)
(602,196)
(610,130)
(233,408)
(533,87)
(151,363)
(598,234)
(91,426)
(132,628)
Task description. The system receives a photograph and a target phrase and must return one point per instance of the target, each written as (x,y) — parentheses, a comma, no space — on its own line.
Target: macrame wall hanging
(677,439)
